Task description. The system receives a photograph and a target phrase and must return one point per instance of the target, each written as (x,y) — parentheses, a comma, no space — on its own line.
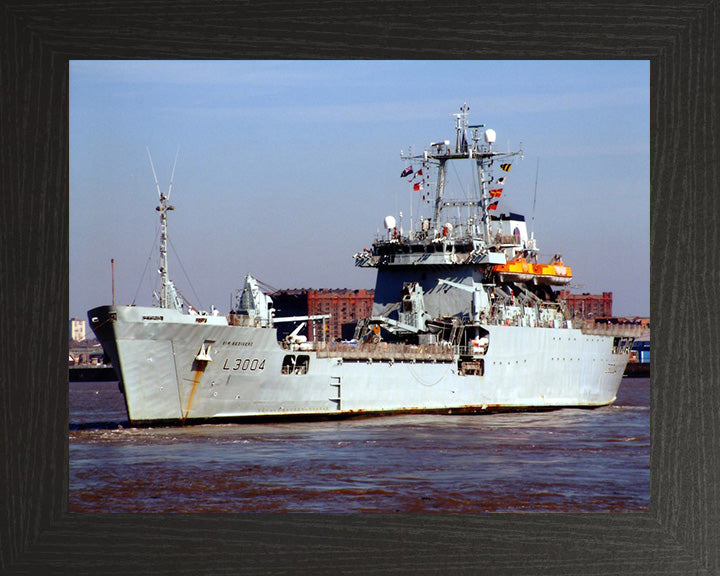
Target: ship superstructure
(463,268)
(464,320)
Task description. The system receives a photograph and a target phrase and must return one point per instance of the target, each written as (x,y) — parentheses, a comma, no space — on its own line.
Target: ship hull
(180,368)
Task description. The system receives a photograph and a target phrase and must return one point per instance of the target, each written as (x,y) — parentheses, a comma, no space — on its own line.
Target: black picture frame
(681,533)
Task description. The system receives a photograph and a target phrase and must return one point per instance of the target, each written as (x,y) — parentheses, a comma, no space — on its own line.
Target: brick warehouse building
(344,305)
(588,305)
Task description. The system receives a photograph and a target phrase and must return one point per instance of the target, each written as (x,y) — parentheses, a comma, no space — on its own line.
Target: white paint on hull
(524,368)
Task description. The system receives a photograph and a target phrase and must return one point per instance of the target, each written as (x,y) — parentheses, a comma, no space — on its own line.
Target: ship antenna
(154,174)
(172,176)
(532,220)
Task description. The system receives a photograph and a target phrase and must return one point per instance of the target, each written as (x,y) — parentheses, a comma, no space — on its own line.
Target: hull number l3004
(245,364)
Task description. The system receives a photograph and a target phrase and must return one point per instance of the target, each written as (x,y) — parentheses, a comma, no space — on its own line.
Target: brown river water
(567,460)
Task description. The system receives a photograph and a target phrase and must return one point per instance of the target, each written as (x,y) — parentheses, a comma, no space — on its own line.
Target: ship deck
(397,352)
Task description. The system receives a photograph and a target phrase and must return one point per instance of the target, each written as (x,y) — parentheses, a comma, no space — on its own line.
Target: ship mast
(483,153)
(461,150)
(484,194)
(168,294)
(440,192)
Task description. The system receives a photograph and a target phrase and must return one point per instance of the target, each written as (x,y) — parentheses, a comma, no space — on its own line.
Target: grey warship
(465,320)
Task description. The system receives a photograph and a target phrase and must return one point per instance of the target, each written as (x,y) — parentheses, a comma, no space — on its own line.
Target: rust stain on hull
(196,379)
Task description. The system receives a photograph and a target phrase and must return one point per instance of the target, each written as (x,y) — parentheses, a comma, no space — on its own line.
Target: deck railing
(622,330)
(384,351)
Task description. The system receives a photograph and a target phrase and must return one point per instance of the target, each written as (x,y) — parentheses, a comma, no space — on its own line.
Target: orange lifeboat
(516,270)
(520,270)
(556,273)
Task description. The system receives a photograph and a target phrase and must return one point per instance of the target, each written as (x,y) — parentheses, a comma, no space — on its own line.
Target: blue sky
(287,168)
